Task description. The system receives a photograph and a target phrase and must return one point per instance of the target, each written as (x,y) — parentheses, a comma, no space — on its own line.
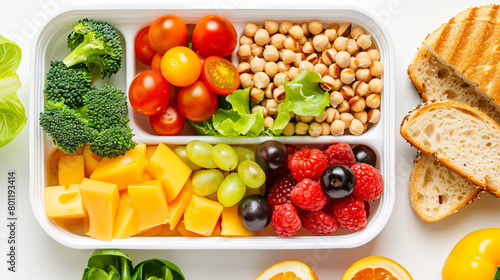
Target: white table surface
(421,248)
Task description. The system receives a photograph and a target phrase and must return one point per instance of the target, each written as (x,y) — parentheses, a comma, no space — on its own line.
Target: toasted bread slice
(459,61)
(461,137)
(436,191)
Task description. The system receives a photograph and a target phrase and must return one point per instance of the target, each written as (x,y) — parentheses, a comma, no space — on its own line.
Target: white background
(421,248)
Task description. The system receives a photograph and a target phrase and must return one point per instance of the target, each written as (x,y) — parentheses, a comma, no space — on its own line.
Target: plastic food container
(51,44)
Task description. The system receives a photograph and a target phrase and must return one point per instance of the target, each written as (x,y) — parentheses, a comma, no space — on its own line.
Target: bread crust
(417,183)
(422,109)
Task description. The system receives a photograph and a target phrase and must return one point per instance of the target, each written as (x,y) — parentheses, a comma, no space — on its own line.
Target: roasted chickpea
(244,51)
(375,85)
(364,41)
(315,27)
(289,129)
(271,26)
(285,26)
(340,44)
(356,32)
(250,29)
(296,32)
(336,98)
(325,128)
(373,100)
(288,56)
(331,34)
(343,59)
(337,127)
(271,53)
(376,68)
(245,40)
(278,40)
(268,122)
(315,129)
(291,44)
(279,78)
(356,127)
(301,128)
(271,68)
(261,80)
(320,42)
(261,37)
(374,54)
(246,80)
(257,64)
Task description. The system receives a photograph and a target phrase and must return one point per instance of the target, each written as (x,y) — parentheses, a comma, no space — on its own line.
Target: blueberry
(365,154)
(338,181)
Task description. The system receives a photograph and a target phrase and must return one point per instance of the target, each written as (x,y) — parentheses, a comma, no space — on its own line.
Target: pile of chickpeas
(343,55)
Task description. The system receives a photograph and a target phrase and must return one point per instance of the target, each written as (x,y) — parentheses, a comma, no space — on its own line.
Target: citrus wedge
(288,270)
(376,268)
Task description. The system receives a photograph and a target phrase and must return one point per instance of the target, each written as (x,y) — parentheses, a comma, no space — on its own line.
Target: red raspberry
(308,195)
(350,213)
(279,193)
(340,153)
(307,163)
(285,220)
(369,183)
(319,223)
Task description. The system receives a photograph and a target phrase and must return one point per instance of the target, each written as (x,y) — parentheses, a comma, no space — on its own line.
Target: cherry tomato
(143,49)
(169,122)
(167,32)
(215,35)
(196,102)
(180,66)
(220,75)
(149,93)
(156,62)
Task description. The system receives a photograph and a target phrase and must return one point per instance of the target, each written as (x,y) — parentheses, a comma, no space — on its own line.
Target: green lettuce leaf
(304,96)
(12,113)
(235,121)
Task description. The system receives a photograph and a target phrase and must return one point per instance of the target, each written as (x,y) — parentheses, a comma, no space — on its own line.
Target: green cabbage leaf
(12,113)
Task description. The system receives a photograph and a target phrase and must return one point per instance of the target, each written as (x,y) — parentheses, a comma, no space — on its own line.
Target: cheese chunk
(201,215)
(122,170)
(64,202)
(148,200)
(91,160)
(232,224)
(70,170)
(166,166)
(101,202)
(126,219)
(179,204)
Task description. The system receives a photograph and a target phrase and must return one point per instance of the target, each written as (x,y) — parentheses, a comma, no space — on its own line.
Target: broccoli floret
(66,126)
(112,142)
(67,84)
(106,107)
(102,122)
(97,44)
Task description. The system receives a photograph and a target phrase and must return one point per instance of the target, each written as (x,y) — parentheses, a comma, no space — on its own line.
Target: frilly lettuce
(235,121)
(12,113)
(304,96)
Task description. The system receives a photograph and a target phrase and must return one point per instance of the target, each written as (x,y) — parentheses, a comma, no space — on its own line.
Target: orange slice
(288,270)
(376,268)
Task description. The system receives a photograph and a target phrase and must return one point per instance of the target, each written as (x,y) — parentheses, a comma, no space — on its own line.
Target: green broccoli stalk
(67,84)
(66,126)
(97,45)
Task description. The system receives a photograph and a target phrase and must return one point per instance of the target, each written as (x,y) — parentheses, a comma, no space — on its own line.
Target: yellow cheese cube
(64,202)
(91,160)
(141,148)
(53,162)
(181,229)
(179,204)
(150,150)
(121,170)
(126,219)
(166,166)
(148,200)
(151,232)
(232,224)
(70,170)
(201,215)
(101,202)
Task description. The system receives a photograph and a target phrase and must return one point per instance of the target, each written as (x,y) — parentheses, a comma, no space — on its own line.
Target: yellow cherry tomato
(476,256)
(180,66)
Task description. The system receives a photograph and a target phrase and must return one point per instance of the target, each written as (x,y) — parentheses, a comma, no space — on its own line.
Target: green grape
(244,154)
(181,153)
(251,174)
(231,191)
(225,157)
(206,182)
(200,153)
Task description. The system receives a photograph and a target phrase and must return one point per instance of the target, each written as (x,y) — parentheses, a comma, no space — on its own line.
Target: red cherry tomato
(169,122)
(149,93)
(156,62)
(167,32)
(220,75)
(143,49)
(196,102)
(214,35)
